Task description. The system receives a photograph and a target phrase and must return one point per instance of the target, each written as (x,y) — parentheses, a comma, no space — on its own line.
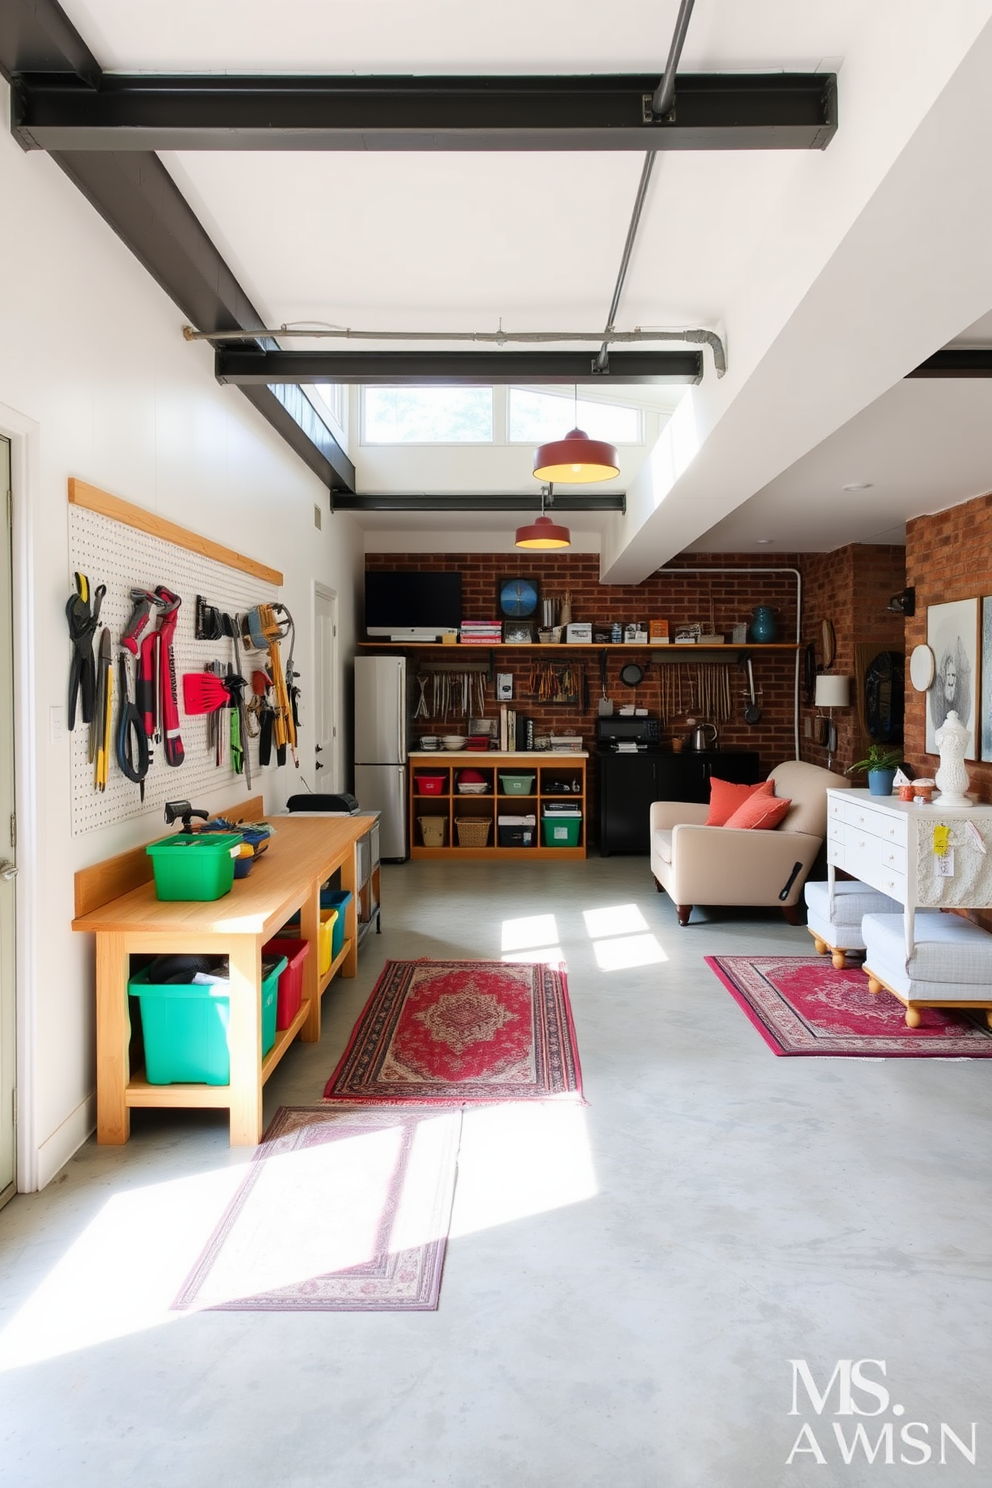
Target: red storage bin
(290,993)
(430,785)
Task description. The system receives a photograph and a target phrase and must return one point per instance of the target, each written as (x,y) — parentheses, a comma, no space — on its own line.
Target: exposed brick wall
(948,557)
(850,587)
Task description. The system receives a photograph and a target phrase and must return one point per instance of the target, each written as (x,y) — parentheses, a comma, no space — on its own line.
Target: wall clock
(517,598)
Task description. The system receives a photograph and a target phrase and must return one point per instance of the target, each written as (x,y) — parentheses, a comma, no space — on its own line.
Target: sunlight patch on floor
(630,951)
(519,1160)
(532,930)
(614,919)
(552,955)
(123,1271)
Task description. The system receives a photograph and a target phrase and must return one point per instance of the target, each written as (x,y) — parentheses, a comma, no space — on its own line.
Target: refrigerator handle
(401,707)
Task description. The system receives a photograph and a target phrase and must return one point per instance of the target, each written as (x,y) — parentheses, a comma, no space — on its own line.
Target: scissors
(83,621)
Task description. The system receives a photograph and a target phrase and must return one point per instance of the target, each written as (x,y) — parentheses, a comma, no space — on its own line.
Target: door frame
(325,592)
(24,435)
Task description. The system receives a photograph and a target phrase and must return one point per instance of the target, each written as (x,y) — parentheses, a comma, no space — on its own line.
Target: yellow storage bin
(325,938)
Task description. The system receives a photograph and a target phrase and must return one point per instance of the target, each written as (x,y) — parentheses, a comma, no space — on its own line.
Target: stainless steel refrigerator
(380,746)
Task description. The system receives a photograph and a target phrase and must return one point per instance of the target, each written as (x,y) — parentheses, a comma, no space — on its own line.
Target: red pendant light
(543,532)
(576,459)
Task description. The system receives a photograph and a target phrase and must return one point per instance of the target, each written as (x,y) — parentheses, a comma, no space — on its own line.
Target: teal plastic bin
(185,1028)
(336,899)
(194,865)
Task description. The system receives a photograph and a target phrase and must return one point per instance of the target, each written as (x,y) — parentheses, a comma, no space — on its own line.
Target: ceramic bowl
(454,741)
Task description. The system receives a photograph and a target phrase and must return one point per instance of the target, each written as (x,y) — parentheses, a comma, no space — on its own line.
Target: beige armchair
(697,864)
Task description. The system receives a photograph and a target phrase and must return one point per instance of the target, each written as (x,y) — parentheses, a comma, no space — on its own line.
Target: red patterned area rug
(341,1210)
(451,1032)
(801,1005)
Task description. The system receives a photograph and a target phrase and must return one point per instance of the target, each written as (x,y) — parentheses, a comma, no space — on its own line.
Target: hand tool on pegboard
(83,614)
(103,712)
(172,744)
(262,628)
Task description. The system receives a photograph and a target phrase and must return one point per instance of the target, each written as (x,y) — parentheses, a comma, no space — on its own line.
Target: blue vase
(763,627)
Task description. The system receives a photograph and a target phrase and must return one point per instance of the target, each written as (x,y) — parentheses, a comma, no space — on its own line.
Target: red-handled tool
(168,691)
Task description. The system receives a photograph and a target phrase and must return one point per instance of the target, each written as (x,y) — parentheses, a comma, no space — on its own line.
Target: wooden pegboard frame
(122,546)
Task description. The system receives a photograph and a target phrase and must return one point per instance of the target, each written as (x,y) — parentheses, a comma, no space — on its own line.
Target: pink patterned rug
(452,1032)
(341,1210)
(801,1005)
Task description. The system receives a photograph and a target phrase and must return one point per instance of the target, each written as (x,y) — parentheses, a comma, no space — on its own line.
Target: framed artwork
(952,635)
(985,713)
(517,633)
(517,598)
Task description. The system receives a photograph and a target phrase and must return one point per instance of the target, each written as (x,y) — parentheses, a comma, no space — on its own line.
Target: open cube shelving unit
(549,770)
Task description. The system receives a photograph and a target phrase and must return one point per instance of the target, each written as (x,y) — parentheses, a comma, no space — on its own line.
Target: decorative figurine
(952,777)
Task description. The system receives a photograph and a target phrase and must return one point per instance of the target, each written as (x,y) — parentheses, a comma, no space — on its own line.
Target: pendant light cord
(661,104)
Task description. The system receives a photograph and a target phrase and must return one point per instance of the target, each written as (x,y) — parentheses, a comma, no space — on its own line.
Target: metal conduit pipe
(696,336)
(661,104)
(799,620)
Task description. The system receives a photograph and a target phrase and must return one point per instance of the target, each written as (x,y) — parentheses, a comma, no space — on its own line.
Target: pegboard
(124,558)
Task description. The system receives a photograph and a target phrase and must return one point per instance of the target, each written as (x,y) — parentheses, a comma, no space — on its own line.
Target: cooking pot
(698,740)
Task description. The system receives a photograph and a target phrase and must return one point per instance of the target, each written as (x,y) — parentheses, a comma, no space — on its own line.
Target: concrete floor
(625,1285)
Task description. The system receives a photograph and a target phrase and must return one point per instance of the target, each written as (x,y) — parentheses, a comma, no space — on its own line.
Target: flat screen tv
(398,602)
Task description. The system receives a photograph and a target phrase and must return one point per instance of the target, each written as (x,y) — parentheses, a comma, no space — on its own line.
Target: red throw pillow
(725,797)
(760,812)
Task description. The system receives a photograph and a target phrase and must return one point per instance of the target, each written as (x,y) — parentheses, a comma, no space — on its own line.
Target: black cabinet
(628,783)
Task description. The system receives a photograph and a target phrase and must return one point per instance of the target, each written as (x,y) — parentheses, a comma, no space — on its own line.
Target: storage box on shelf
(476,826)
(116,901)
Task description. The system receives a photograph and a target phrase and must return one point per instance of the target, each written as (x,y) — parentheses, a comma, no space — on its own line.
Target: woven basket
(432,829)
(473,831)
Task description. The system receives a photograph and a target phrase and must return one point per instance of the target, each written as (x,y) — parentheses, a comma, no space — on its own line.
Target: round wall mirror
(921,668)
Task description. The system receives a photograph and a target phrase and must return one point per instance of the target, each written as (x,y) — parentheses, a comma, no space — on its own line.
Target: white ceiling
(830,274)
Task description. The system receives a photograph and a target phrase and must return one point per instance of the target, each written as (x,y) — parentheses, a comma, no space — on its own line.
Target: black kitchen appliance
(633,734)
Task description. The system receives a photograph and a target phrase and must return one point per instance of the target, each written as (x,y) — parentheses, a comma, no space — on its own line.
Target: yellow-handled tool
(104,712)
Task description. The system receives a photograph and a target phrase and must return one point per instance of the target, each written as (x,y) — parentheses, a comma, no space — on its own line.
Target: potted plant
(880,764)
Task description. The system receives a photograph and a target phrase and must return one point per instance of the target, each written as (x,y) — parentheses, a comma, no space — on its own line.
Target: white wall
(97,382)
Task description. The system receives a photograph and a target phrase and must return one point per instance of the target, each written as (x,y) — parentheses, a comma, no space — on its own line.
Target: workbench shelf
(116,902)
(546,766)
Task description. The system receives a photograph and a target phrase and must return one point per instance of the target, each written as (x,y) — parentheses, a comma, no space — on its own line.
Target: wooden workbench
(287,877)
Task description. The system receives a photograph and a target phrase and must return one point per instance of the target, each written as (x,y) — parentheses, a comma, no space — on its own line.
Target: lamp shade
(542,533)
(576,459)
(832,692)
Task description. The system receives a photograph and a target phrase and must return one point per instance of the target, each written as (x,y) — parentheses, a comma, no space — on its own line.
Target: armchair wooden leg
(658,885)
(791,914)
(683,911)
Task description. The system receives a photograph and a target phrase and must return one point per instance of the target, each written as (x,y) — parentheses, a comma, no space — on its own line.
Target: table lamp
(832,692)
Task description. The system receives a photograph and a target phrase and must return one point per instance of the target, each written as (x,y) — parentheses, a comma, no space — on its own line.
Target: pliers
(83,622)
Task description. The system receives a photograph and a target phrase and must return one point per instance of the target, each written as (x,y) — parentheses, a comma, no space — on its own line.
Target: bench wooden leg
(913,1017)
(838,958)
(683,911)
(113,1035)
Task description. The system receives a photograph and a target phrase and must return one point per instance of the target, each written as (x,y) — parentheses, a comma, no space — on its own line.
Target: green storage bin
(185,1028)
(517,785)
(561,830)
(193,865)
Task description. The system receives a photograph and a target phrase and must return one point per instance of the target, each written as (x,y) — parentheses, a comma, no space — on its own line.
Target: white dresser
(889,844)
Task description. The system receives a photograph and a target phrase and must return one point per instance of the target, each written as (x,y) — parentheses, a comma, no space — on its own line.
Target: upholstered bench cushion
(663,844)
(950,956)
(852,901)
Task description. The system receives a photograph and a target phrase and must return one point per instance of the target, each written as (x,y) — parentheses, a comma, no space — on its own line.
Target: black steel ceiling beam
(36,36)
(137,197)
(965,361)
(254,368)
(758,111)
(445,501)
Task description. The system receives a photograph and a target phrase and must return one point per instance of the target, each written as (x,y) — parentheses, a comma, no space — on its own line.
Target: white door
(8,1066)
(326,692)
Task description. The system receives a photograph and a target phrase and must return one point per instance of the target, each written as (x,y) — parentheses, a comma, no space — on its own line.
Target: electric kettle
(698,740)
